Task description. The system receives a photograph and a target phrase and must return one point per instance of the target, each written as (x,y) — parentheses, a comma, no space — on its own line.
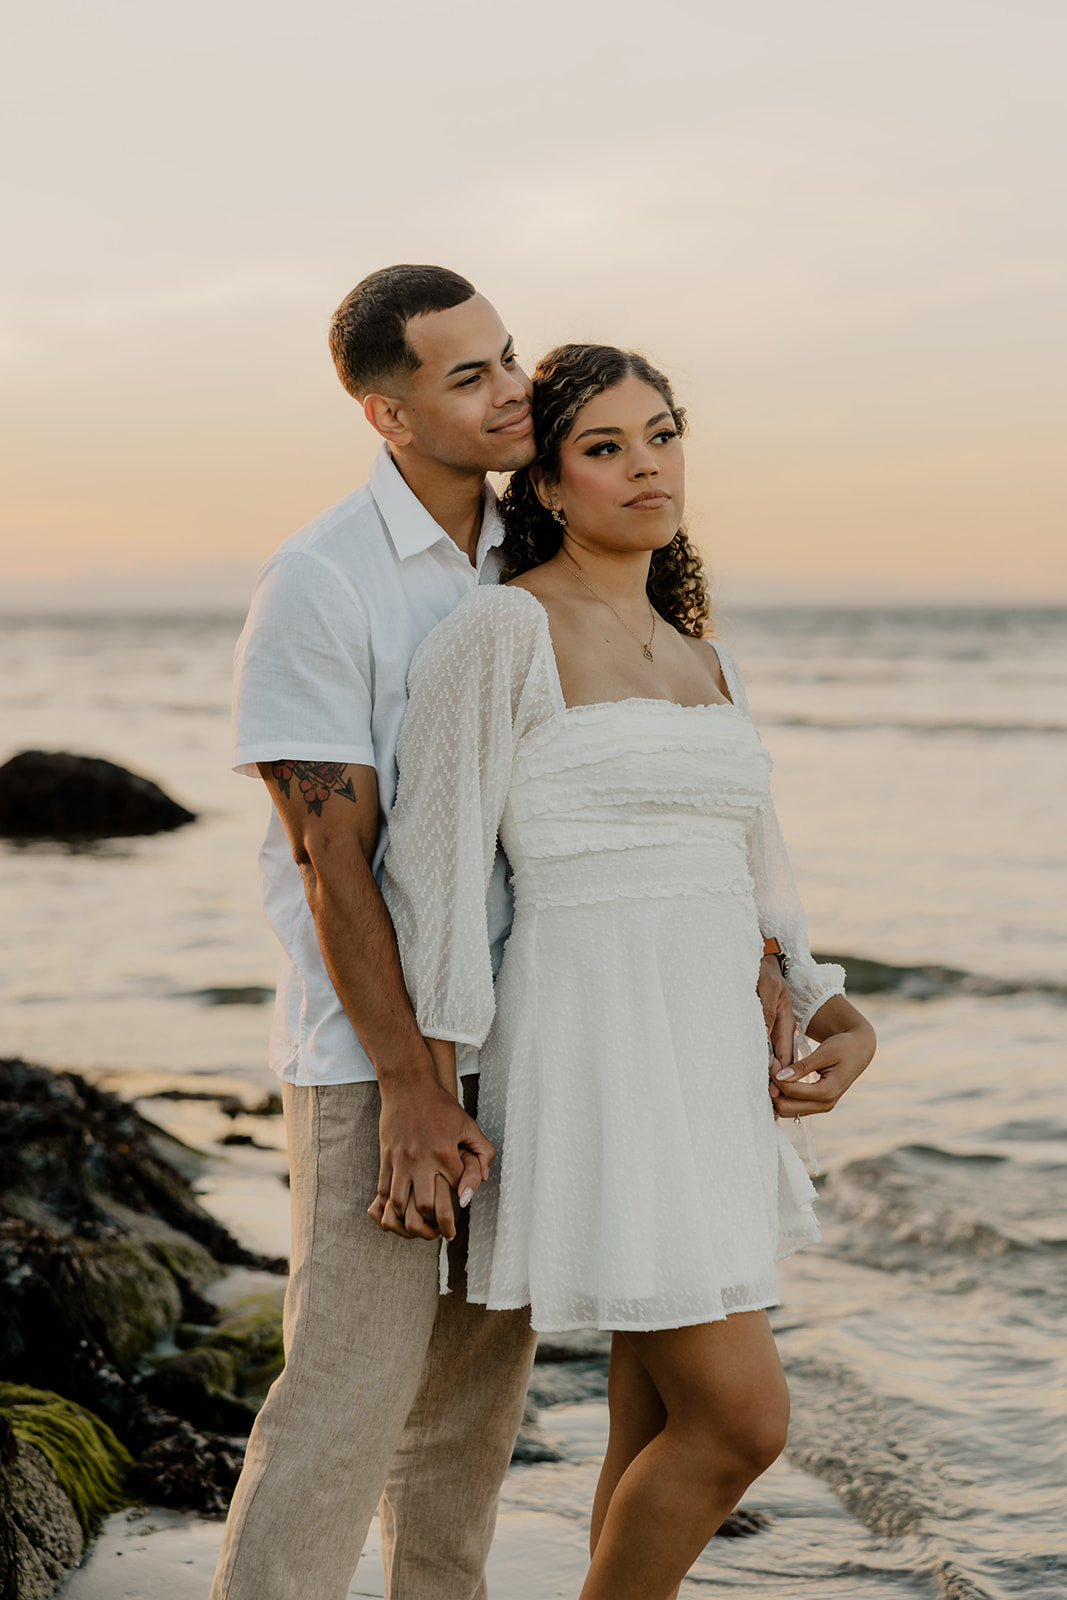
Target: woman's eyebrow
(660,415)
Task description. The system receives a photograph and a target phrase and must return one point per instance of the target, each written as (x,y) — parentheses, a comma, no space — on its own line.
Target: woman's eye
(608,447)
(666,433)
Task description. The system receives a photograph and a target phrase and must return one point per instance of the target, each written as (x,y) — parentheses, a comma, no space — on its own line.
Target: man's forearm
(360,952)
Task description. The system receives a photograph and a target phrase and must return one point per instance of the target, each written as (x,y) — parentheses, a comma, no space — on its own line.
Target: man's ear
(387,415)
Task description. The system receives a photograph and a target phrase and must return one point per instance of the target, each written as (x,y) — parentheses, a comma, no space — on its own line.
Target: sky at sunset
(838,224)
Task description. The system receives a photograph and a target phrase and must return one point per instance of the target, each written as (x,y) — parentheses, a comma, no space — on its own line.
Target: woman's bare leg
(726,1408)
(637,1414)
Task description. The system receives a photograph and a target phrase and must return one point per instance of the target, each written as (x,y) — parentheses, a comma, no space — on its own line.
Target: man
(390,1389)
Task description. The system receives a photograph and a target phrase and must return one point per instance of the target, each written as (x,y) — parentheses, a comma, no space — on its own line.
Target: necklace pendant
(648,654)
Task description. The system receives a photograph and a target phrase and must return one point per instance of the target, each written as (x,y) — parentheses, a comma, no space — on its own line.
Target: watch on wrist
(772,947)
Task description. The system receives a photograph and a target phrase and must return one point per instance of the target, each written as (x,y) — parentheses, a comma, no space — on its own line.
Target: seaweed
(87,1459)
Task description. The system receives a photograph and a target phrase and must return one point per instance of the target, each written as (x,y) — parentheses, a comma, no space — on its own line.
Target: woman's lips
(649,501)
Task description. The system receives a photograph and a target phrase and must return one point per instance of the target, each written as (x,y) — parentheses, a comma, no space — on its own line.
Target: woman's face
(622,471)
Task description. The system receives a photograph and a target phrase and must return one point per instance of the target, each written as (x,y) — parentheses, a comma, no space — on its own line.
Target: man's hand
(431,1150)
(847,1048)
(430,1145)
(778,1015)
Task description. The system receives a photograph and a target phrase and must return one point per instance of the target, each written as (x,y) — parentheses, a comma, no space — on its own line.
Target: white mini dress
(641,1179)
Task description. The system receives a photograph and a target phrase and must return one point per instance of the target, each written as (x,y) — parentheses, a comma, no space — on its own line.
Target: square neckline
(626,700)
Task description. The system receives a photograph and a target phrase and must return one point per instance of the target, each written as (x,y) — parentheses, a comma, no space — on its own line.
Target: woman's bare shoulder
(539,581)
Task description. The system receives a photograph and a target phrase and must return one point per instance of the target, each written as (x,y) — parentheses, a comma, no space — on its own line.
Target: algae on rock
(40,1537)
(87,1459)
(221,1378)
(104,1248)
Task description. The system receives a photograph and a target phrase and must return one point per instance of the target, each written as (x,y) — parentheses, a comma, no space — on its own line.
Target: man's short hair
(368,331)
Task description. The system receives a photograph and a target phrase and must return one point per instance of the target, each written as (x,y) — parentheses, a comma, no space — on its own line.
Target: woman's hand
(847,1047)
(777,1013)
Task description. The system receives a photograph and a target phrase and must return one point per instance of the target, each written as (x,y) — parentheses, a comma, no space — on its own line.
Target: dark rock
(533,1445)
(187,1470)
(251,1331)
(103,1249)
(221,1379)
(61,1471)
(582,1344)
(567,1383)
(54,795)
(40,1537)
(930,982)
(77,1159)
(741,1524)
(231,1105)
(88,1461)
(247,994)
(199,1385)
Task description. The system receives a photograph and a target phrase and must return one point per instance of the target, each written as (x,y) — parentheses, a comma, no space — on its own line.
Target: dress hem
(624,1327)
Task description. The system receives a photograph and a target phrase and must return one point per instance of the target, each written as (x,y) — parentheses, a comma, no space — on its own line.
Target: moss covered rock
(40,1537)
(251,1333)
(130,1296)
(89,1462)
(103,1250)
(202,1385)
(61,1471)
(222,1376)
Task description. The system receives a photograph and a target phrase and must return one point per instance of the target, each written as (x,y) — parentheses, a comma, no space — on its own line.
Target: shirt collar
(410,525)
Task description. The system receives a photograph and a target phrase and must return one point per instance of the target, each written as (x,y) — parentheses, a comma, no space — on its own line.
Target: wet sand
(538,1554)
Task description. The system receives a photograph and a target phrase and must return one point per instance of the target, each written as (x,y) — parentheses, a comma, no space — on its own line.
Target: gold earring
(558,516)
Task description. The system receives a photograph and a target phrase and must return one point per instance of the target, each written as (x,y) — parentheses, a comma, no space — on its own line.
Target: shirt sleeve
(778,904)
(477,683)
(302,668)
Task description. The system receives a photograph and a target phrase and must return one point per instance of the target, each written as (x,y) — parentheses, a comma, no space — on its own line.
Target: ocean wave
(956,1585)
(908,725)
(881,1460)
(917,1205)
(841,1432)
(865,976)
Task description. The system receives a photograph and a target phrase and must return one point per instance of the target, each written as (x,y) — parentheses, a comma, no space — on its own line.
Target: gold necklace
(647,648)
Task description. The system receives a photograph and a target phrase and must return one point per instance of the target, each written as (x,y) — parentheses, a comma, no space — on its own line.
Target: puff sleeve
(478,682)
(781,913)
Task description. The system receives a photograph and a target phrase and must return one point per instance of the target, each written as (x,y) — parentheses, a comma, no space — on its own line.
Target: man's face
(468,404)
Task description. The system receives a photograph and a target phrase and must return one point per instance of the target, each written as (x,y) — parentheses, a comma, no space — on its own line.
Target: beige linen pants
(389,1391)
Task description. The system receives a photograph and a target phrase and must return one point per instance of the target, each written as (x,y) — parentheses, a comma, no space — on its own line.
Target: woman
(643,1182)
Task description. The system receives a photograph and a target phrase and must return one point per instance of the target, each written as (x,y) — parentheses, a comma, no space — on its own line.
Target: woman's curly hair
(565,381)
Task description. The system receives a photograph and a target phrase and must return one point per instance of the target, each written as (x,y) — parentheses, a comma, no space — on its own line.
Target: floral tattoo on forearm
(317,781)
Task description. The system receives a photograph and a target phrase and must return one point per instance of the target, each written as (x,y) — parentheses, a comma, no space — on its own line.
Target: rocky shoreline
(104,1254)
(122,1381)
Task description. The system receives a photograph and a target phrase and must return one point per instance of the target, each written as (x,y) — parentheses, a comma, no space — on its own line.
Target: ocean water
(920,772)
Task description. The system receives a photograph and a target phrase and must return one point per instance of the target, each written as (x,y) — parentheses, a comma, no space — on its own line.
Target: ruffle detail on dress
(665,889)
(620,731)
(588,796)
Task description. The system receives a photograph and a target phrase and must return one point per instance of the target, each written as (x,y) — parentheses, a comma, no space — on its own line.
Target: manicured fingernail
(466,1197)
(786,1072)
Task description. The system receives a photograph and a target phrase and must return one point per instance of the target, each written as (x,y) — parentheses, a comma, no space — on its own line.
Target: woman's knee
(757,1437)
